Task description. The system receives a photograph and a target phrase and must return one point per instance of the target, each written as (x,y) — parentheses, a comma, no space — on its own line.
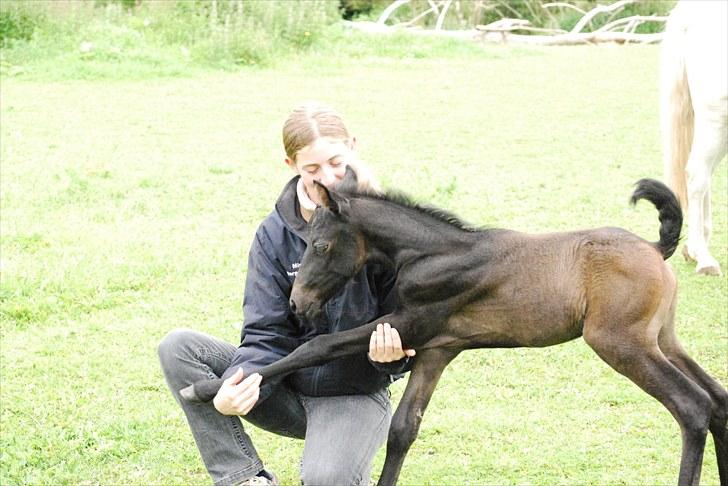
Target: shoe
(264,478)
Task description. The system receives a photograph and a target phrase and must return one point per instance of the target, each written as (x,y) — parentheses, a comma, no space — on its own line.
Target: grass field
(128,207)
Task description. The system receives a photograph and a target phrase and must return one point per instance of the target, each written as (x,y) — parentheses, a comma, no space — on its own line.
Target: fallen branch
(510,25)
(504,36)
(571,39)
(502,31)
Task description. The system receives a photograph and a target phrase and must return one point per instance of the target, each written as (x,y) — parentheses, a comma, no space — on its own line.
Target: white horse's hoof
(713,270)
(705,266)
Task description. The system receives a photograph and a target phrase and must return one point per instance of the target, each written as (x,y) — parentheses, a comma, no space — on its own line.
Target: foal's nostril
(292,303)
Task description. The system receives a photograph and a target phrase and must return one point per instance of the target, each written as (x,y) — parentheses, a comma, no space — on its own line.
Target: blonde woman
(342,408)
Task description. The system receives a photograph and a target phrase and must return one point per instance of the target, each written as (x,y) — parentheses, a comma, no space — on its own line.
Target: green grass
(126,52)
(128,206)
(84,39)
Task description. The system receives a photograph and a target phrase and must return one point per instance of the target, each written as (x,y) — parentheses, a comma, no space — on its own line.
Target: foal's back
(536,289)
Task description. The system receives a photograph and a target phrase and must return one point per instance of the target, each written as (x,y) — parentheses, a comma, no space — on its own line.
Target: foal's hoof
(188,394)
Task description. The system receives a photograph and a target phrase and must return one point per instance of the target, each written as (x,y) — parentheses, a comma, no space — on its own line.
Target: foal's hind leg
(630,347)
(675,353)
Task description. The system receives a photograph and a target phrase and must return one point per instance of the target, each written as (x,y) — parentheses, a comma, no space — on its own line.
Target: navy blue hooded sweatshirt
(271,331)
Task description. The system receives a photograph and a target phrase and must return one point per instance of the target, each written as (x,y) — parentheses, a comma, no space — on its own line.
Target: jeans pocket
(381,397)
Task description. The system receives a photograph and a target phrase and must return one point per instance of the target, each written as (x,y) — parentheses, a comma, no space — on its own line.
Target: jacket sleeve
(387,296)
(269,329)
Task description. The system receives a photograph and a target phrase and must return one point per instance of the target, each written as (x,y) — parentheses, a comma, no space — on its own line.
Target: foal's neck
(405,233)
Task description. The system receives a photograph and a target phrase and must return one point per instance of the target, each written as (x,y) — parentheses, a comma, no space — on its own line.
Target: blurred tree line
(19,19)
(229,33)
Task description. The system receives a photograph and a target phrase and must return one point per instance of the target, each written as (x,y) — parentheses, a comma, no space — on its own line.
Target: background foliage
(80,38)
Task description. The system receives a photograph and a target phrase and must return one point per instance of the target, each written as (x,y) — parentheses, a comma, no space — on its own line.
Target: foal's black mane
(401,199)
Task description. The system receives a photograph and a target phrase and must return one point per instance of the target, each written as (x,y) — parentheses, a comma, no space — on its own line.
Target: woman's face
(324,160)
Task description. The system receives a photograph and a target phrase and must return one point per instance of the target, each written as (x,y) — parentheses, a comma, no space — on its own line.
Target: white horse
(694,114)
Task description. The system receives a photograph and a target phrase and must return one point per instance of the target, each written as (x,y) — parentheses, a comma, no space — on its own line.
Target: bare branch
(441,17)
(635,19)
(433,6)
(632,26)
(596,11)
(389,10)
(502,30)
(414,20)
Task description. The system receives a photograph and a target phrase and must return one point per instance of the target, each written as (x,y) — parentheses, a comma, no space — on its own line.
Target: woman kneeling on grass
(342,408)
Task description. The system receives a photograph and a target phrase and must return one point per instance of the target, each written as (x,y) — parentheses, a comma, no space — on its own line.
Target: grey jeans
(342,433)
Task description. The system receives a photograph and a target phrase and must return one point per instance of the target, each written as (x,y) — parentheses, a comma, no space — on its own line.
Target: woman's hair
(311,121)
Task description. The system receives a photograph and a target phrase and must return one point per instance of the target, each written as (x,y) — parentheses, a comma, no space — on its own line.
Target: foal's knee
(403,432)
(695,416)
(719,412)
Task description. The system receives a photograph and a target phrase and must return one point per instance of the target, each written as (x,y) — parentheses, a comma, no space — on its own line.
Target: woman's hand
(237,397)
(385,345)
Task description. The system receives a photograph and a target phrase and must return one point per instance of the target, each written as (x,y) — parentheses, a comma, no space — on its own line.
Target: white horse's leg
(709,147)
(707,214)
(706,64)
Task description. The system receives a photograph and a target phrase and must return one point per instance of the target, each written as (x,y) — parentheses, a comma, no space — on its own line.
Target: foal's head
(336,250)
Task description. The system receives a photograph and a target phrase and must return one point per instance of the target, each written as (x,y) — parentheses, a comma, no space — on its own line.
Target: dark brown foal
(460,288)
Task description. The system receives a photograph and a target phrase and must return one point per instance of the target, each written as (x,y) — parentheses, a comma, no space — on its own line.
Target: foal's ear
(350,181)
(326,198)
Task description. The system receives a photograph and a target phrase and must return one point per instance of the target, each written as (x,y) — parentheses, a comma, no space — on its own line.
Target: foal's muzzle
(304,306)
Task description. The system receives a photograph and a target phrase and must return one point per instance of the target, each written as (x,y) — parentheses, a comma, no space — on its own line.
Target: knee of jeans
(173,344)
(326,473)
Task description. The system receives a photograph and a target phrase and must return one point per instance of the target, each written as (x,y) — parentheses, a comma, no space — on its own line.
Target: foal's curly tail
(670,214)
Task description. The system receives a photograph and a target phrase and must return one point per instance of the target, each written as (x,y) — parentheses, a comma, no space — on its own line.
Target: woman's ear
(292,164)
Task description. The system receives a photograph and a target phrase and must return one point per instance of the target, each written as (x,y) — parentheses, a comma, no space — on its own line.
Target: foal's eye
(320,248)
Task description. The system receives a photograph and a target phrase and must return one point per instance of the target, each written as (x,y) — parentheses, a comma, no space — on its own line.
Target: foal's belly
(493,323)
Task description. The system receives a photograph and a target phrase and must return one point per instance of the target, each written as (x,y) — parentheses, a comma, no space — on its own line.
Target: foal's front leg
(325,348)
(425,374)
(319,350)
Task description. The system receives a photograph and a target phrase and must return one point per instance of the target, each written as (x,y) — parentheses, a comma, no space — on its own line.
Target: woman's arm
(269,331)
